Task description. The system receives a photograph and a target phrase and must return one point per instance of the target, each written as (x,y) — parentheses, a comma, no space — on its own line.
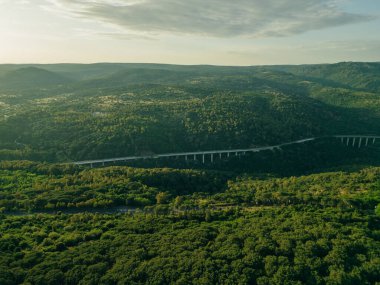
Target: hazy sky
(224,32)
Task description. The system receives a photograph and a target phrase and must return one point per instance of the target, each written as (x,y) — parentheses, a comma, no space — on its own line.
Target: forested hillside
(361,76)
(107,110)
(306,213)
(201,228)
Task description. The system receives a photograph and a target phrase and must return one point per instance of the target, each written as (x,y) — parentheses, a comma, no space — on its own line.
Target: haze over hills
(304,213)
(363,76)
(30,77)
(72,112)
(347,74)
(234,155)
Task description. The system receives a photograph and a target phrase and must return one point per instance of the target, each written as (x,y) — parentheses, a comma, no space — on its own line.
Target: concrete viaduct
(348,140)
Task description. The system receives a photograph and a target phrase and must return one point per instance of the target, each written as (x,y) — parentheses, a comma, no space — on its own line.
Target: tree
(162,198)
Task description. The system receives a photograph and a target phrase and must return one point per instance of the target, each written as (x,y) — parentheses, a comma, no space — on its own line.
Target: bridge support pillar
(348,141)
(374,140)
(220,155)
(203,158)
(360,142)
(228,154)
(212,157)
(342,139)
(353,143)
(91,165)
(195,157)
(185,157)
(103,163)
(366,141)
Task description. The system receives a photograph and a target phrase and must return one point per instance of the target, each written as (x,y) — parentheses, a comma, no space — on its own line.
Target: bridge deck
(212,152)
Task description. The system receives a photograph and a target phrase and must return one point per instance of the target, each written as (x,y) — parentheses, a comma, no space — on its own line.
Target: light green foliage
(262,219)
(32,186)
(316,229)
(124,110)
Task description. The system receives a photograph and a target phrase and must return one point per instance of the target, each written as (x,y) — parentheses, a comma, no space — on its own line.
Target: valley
(168,174)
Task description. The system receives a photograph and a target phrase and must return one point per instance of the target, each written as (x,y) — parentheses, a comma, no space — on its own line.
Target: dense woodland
(303,214)
(202,228)
(145,109)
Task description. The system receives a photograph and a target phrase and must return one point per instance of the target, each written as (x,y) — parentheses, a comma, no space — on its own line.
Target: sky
(219,32)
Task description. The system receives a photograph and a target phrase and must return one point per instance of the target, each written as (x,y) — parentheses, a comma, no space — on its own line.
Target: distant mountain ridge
(76,112)
(31,77)
(358,75)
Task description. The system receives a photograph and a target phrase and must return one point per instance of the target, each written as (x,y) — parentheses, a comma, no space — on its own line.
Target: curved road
(354,140)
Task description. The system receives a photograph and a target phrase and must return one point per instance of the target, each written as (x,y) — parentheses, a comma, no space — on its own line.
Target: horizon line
(182,64)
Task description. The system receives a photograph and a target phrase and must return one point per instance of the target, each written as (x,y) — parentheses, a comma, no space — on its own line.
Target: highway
(359,140)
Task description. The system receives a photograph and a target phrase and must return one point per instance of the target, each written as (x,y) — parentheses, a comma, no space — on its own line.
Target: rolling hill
(30,78)
(126,109)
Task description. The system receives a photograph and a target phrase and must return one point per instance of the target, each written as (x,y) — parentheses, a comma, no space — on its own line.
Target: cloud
(125,36)
(360,49)
(17,2)
(217,18)
(352,46)
(341,46)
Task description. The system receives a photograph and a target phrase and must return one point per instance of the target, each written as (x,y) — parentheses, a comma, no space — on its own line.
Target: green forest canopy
(307,214)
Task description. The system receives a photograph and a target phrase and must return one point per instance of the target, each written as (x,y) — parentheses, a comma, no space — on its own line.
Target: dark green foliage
(268,246)
(316,229)
(119,110)
(364,76)
(30,187)
(31,77)
(246,220)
